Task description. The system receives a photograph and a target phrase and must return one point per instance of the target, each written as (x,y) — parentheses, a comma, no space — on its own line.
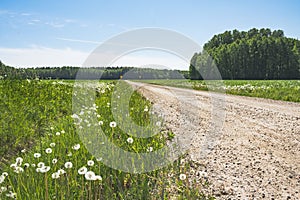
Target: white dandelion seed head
(90,176)
(68,165)
(113,124)
(90,163)
(55,175)
(130,140)
(41,164)
(52,144)
(82,170)
(182,177)
(76,147)
(48,150)
(37,155)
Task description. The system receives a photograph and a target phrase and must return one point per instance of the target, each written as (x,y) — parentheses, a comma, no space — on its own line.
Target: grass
(286,90)
(44,157)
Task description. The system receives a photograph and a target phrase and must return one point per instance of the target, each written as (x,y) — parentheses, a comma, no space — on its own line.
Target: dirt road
(256,152)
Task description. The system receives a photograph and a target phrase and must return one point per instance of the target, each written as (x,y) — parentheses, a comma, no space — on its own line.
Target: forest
(253,55)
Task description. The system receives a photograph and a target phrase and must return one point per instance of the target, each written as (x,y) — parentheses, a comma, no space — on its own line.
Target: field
(43,157)
(286,90)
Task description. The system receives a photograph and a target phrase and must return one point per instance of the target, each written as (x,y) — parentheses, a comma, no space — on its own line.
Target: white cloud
(42,57)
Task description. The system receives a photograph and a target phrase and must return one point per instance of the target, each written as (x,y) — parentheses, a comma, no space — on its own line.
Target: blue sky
(56,33)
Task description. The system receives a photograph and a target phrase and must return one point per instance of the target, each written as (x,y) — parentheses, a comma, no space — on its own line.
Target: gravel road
(252,145)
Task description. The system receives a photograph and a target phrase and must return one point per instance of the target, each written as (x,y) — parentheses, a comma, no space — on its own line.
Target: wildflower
(19,170)
(130,140)
(149,149)
(182,177)
(90,175)
(54,161)
(48,150)
(37,155)
(61,171)
(52,144)
(90,163)
(41,164)
(57,133)
(76,147)
(82,170)
(98,178)
(2,178)
(11,195)
(55,175)
(112,124)
(19,160)
(68,165)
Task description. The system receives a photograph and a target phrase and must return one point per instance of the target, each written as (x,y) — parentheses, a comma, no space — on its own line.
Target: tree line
(107,73)
(255,54)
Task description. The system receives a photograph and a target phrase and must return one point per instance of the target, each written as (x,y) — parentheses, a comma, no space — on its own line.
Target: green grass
(286,90)
(36,117)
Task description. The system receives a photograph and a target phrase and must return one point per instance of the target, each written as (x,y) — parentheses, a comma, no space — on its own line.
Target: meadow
(43,157)
(286,90)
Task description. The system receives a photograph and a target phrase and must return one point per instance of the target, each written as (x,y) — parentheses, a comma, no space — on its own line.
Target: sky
(36,33)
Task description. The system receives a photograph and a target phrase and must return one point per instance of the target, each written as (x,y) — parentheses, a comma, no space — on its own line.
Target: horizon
(58,34)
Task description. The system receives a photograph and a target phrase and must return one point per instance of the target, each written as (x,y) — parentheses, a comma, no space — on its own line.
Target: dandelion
(55,175)
(41,164)
(52,144)
(18,170)
(90,163)
(112,124)
(68,165)
(37,155)
(130,140)
(57,133)
(61,171)
(90,176)
(98,178)
(19,160)
(82,170)
(54,161)
(76,147)
(48,150)
(182,177)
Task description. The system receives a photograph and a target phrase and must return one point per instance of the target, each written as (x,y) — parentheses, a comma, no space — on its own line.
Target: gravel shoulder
(256,153)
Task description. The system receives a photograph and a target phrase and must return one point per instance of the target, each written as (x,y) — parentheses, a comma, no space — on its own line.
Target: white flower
(5,174)
(150,149)
(37,155)
(19,160)
(82,170)
(61,171)
(130,140)
(57,133)
(41,164)
(98,178)
(54,161)
(113,124)
(48,150)
(55,175)
(90,175)
(68,165)
(19,170)
(76,147)
(90,163)
(182,177)
(52,144)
